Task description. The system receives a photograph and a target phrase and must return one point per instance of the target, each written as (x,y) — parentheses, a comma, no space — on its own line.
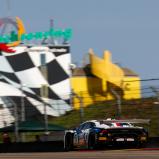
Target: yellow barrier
(97,88)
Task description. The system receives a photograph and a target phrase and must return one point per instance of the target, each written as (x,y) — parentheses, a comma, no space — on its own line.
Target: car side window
(92,125)
(88,125)
(81,126)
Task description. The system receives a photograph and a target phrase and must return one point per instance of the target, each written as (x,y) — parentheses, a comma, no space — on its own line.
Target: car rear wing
(133,121)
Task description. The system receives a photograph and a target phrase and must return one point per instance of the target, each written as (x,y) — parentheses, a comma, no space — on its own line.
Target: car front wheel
(69,142)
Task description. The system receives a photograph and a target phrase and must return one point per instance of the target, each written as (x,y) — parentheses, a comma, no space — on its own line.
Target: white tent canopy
(9,90)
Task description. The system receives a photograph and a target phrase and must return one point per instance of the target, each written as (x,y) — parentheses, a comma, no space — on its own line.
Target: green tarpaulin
(32,126)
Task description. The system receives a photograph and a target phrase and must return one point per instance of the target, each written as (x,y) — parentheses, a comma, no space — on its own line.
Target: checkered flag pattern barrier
(21,76)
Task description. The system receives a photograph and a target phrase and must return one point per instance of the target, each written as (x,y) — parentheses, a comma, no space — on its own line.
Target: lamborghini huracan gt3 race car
(95,133)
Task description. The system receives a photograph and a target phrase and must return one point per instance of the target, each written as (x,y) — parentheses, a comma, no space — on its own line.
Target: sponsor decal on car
(102,138)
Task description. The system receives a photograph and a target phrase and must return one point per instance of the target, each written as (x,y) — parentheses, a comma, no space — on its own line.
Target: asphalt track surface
(104,154)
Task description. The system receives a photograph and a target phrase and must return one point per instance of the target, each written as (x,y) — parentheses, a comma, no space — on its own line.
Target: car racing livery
(95,133)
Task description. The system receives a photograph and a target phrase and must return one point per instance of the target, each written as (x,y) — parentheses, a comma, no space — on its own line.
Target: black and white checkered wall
(21,76)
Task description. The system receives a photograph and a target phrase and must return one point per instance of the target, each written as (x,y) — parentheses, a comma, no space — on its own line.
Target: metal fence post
(81,106)
(44,88)
(157,96)
(119,109)
(44,93)
(22,111)
(16,129)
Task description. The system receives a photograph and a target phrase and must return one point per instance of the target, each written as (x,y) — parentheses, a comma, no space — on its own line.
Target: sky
(129,29)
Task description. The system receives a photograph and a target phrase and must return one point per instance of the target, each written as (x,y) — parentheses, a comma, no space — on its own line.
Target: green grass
(144,108)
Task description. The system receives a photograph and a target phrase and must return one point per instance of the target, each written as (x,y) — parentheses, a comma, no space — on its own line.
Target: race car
(95,133)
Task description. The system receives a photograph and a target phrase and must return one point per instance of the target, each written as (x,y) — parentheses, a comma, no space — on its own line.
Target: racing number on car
(76,140)
(86,136)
